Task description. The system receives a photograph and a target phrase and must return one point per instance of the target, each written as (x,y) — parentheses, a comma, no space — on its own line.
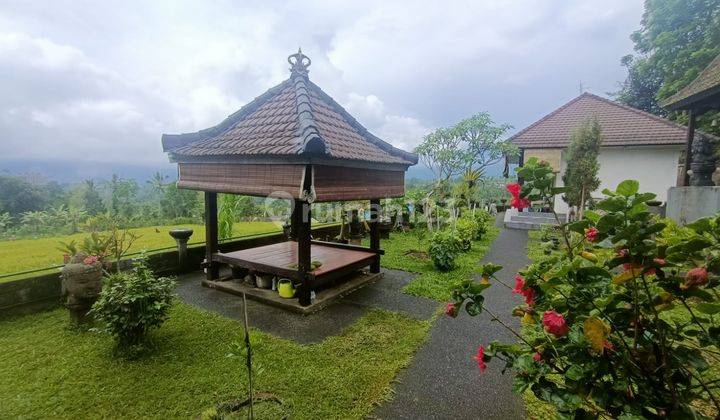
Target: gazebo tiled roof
(621,125)
(295,118)
(705,86)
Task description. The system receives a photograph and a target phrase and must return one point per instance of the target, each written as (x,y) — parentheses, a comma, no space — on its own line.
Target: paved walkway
(443,380)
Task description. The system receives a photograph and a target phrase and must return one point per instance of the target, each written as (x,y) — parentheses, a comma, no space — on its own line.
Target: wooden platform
(281,259)
(322,297)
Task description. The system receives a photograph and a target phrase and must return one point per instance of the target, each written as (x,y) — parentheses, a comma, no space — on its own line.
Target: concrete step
(525,225)
(531,219)
(535,215)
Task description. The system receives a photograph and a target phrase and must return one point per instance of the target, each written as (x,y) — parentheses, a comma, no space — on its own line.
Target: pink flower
(698,276)
(480,357)
(554,323)
(90,260)
(623,252)
(659,261)
(519,285)
(591,234)
(537,357)
(450,309)
(529,294)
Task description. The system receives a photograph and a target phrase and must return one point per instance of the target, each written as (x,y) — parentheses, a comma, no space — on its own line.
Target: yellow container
(285,289)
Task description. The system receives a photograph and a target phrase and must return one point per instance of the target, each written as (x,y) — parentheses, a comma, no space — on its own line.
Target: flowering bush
(620,320)
(443,250)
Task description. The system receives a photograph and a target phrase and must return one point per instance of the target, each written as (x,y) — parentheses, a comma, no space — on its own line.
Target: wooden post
(303,241)
(688,148)
(211,235)
(375,209)
(295,219)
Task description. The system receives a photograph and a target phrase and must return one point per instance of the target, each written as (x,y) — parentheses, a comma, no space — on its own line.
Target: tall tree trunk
(581,210)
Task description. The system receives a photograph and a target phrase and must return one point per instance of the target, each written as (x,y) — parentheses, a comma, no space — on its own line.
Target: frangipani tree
(469,147)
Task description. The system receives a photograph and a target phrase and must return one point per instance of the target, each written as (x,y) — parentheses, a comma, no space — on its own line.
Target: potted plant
(82,278)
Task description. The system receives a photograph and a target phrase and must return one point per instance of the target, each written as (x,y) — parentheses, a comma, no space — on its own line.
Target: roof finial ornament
(299,63)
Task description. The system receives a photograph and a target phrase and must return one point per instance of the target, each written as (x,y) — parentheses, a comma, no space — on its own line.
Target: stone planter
(82,283)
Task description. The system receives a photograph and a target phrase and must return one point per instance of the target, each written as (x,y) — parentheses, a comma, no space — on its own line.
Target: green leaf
(701,225)
(579,226)
(708,308)
(628,187)
(575,373)
(473,309)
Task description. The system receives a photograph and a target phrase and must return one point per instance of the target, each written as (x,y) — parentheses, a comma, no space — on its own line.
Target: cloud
(102,81)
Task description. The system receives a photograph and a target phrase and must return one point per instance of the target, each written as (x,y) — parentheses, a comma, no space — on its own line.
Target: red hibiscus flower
(519,285)
(480,356)
(529,295)
(517,201)
(450,309)
(555,324)
(591,234)
(537,357)
(698,276)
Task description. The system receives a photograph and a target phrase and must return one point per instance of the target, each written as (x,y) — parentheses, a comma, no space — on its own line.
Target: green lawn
(50,371)
(430,282)
(28,254)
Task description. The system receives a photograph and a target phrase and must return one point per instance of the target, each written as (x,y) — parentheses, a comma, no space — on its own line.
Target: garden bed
(48,370)
(402,252)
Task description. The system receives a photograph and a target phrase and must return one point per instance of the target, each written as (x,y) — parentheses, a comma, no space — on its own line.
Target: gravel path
(443,380)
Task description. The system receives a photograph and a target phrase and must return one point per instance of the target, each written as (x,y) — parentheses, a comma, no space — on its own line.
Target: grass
(50,371)
(430,282)
(27,254)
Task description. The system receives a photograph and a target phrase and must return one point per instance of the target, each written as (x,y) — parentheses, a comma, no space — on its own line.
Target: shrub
(466,230)
(484,220)
(131,303)
(443,250)
(617,323)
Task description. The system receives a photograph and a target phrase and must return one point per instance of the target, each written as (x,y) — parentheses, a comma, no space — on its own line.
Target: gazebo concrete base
(322,297)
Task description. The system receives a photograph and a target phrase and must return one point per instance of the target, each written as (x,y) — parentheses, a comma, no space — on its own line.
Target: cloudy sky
(99,81)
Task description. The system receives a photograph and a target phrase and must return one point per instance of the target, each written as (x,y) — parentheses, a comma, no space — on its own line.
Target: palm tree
(157,182)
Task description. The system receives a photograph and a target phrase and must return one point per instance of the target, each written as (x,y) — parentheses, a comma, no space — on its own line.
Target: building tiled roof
(621,125)
(293,118)
(705,84)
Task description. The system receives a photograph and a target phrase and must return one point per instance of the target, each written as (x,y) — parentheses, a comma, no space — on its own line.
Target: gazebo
(697,98)
(294,141)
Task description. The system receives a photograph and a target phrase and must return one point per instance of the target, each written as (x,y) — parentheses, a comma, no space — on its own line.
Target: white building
(636,145)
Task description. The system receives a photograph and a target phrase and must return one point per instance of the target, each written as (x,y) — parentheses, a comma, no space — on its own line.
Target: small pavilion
(697,98)
(294,142)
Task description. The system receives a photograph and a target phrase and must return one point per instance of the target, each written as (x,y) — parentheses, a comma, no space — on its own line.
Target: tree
(580,177)
(158,182)
(178,202)
(677,39)
(122,196)
(480,141)
(470,146)
(19,196)
(92,202)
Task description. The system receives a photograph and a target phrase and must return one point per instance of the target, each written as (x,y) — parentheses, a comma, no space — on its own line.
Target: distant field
(28,254)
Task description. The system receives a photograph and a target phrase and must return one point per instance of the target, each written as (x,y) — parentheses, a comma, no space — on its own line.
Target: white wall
(655,167)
